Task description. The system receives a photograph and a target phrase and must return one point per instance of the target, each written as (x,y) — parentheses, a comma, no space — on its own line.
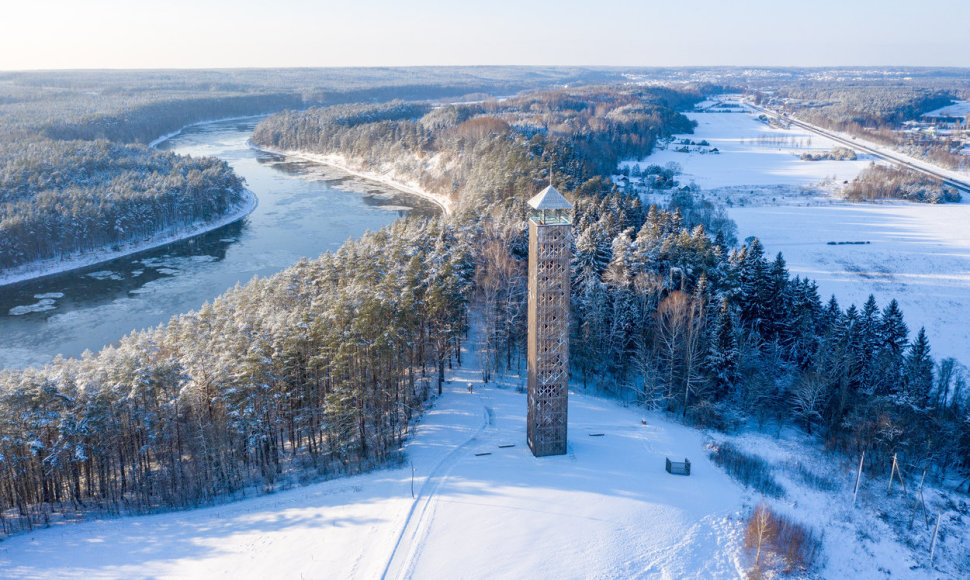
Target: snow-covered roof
(549,198)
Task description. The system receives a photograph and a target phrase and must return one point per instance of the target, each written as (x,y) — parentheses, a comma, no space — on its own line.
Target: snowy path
(607,509)
(419,517)
(484,507)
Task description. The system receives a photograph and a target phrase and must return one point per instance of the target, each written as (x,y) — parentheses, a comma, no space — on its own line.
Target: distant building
(550,255)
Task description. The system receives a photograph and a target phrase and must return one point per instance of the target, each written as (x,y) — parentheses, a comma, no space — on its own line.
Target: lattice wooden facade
(549,264)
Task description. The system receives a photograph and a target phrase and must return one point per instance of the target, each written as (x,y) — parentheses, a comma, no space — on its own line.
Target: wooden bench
(678,467)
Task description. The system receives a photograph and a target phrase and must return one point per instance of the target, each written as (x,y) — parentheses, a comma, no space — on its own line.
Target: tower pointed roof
(549,198)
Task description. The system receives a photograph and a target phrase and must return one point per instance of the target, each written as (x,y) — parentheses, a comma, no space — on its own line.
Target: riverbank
(168,136)
(75,261)
(60,265)
(342,163)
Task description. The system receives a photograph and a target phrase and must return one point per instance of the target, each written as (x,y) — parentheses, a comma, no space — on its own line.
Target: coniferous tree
(755,289)
(866,346)
(779,299)
(893,338)
(918,371)
(722,358)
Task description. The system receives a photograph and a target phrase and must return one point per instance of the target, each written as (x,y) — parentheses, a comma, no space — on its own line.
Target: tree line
(316,372)
(319,370)
(881,182)
(484,152)
(63,198)
(679,320)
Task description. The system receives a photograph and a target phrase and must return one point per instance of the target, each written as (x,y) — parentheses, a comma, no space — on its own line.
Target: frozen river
(304,209)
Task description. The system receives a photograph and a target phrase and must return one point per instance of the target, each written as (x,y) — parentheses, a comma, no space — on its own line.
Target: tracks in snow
(408,546)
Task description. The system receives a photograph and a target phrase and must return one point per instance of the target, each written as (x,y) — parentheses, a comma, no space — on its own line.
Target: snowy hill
(607,509)
(480,509)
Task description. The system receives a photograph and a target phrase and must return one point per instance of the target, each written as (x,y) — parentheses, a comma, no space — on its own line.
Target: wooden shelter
(550,255)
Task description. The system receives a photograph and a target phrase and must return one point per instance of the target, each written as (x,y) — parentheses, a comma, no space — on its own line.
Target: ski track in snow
(414,529)
(607,509)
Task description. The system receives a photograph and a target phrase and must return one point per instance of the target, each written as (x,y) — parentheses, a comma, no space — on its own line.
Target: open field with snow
(753,153)
(918,253)
(473,509)
(957,109)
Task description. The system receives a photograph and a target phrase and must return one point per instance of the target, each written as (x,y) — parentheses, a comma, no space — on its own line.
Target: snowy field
(753,153)
(918,253)
(607,509)
(957,109)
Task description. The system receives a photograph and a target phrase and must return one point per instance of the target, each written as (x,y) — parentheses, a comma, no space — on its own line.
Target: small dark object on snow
(506,446)
(596,434)
(480,454)
(678,467)
(469,387)
(643,421)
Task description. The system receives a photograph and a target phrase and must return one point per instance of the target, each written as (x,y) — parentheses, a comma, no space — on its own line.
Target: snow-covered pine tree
(721,363)
(918,371)
(865,343)
(779,304)
(893,339)
(754,282)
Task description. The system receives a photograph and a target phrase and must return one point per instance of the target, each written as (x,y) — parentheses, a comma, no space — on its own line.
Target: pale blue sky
(267,33)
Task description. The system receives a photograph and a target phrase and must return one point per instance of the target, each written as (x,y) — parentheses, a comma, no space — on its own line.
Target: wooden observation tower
(550,253)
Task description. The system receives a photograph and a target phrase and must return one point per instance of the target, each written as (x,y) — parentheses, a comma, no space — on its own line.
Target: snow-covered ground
(874,536)
(473,509)
(918,253)
(752,153)
(957,109)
